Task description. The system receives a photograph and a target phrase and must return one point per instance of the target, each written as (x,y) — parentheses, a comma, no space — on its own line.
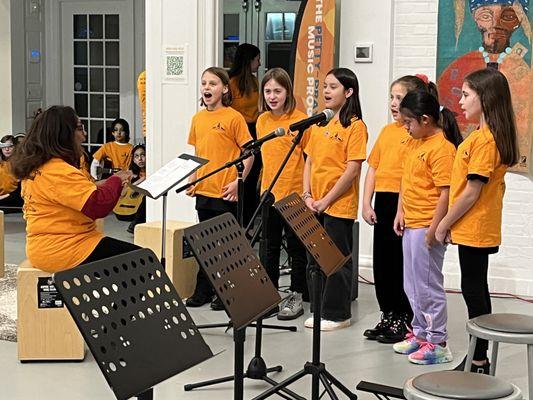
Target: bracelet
(306,195)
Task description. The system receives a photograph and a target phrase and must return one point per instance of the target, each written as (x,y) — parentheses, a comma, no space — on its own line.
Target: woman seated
(10,198)
(60,203)
(138,168)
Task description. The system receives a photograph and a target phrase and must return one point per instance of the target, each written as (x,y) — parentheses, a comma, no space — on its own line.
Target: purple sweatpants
(423,285)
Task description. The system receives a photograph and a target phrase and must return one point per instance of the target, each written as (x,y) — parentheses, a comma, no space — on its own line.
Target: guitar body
(128,204)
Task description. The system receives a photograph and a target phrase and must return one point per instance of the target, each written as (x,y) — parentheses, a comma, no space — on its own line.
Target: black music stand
(328,259)
(223,252)
(133,321)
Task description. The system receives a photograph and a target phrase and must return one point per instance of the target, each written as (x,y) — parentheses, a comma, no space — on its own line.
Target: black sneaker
(216,304)
(478,369)
(197,300)
(396,329)
(380,328)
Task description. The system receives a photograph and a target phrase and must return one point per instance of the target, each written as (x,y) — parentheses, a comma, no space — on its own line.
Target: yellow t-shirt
(426,168)
(217,136)
(330,148)
(248,105)
(274,151)
(387,157)
(58,235)
(141,90)
(8,183)
(481,225)
(118,154)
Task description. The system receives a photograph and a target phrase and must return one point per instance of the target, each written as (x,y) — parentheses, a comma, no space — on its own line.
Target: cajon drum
(181,266)
(43,333)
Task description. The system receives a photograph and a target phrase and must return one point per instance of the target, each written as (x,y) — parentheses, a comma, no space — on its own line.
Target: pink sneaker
(430,353)
(409,345)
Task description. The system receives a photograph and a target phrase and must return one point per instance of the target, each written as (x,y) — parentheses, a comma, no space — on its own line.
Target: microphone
(257,143)
(325,115)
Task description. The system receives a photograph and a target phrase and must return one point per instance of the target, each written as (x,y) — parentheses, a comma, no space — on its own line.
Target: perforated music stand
(242,284)
(329,260)
(133,321)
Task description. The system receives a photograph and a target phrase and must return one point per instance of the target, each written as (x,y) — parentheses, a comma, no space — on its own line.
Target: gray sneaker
(292,307)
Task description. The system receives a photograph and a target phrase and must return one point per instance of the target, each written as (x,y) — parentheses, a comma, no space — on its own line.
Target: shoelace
(427,346)
(290,302)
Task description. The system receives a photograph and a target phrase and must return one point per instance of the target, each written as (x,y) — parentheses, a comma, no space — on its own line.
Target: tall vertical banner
(314,53)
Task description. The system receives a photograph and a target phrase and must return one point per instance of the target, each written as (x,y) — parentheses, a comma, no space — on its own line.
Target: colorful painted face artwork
(476,34)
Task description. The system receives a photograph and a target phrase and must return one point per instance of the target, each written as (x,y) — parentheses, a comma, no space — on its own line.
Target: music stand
(223,252)
(328,259)
(133,321)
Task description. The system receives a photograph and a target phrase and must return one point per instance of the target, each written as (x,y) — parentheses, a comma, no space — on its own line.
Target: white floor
(347,355)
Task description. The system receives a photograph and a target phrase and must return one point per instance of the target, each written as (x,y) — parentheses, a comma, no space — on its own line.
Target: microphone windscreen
(279,132)
(329,113)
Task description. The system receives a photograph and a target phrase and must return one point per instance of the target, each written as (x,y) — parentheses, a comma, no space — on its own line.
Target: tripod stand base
(319,373)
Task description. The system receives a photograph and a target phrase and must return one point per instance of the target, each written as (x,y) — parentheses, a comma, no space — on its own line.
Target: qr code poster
(175,64)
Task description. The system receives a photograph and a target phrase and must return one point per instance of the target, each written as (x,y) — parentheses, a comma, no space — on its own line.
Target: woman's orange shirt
(274,151)
(330,148)
(481,225)
(387,157)
(426,169)
(58,235)
(8,183)
(247,105)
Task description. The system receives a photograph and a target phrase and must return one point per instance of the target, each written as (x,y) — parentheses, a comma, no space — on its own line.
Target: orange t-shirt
(330,148)
(141,90)
(58,235)
(274,151)
(426,168)
(247,105)
(8,183)
(119,154)
(387,157)
(481,225)
(217,136)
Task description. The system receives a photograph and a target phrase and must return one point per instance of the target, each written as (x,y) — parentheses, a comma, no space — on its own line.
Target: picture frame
(363,52)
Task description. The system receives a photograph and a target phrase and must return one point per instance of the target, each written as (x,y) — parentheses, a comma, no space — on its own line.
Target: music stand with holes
(132,320)
(231,265)
(329,260)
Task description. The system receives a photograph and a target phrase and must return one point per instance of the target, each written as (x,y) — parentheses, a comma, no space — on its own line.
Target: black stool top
(504,322)
(133,320)
(462,385)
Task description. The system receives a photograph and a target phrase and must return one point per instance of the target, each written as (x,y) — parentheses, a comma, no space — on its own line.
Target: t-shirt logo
(218,127)
(422,156)
(466,154)
(333,136)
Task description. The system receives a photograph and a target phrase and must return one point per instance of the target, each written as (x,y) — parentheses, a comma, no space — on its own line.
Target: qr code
(175,65)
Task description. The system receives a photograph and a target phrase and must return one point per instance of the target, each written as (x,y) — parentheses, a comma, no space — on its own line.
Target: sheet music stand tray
(224,253)
(329,259)
(133,321)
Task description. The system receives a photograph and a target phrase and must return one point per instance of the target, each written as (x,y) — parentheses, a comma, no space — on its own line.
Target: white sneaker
(327,325)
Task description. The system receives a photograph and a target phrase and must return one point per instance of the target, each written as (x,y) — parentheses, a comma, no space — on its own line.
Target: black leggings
(474,264)
(109,247)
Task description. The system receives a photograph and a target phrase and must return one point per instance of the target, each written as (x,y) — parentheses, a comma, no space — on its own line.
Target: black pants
(336,298)
(251,190)
(140,215)
(474,264)
(274,226)
(388,257)
(208,208)
(109,247)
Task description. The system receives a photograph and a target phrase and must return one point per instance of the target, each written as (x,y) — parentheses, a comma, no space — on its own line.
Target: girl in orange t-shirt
(218,134)
(474,219)
(138,168)
(118,152)
(10,197)
(60,202)
(382,182)
(331,185)
(244,89)
(423,203)
(279,110)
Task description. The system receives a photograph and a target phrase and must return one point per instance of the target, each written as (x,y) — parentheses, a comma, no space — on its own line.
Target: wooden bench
(181,266)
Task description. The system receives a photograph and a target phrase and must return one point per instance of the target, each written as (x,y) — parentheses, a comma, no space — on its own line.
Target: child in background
(423,203)
(279,110)
(218,134)
(335,153)
(138,169)
(118,152)
(10,197)
(474,220)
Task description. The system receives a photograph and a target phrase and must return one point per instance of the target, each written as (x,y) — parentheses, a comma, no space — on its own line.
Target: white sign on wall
(175,60)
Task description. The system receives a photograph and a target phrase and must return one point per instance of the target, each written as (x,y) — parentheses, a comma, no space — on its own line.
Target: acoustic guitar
(128,204)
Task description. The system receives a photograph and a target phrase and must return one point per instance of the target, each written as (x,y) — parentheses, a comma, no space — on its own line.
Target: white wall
(5,68)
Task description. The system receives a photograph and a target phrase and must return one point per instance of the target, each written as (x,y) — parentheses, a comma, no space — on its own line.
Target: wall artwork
(476,34)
